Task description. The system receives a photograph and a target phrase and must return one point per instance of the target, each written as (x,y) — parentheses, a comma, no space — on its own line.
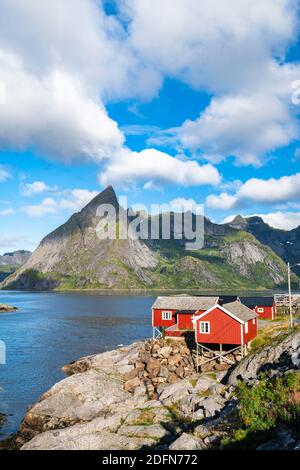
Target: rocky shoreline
(149,396)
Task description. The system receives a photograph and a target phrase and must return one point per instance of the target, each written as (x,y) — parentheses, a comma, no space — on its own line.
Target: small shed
(174,314)
(265,307)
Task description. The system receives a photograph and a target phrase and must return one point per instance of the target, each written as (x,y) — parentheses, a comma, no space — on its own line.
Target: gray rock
(270,445)
(187,442)
(280,356)
(152,431)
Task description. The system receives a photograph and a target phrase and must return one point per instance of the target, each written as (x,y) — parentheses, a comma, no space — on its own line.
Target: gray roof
(240,311)
(185,302)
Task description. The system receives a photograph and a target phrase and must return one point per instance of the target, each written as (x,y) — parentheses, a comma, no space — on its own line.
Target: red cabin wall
(252,330)
(223,329)
(185,321)
(268,313)
(157,317)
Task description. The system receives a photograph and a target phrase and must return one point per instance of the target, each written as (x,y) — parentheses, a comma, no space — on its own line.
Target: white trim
(194,319)
(253,321)
(246,328)
(166,315)
(242,335)
(273,312)
(152,316)
(204,332)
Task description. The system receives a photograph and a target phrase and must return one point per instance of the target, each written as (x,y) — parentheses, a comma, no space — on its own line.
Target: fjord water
(52,329)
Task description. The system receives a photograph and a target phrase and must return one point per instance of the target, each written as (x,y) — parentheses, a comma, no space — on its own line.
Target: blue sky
(168,103)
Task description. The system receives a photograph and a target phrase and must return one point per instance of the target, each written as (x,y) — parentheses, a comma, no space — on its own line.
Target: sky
(169,101)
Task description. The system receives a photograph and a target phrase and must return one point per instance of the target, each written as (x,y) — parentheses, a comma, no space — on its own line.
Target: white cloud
(182,204)
(69,200)
(37,187)
(11,241)
(151,164)
(8,211)
(47,206)
(4,174)
(53,114)
(76,199)
(213,45)
(222,201)
(247,127)
(280,220)
(272,191)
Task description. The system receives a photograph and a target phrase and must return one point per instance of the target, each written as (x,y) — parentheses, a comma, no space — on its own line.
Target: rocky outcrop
(107,402)
(281,355)
(95,408)
(7,308)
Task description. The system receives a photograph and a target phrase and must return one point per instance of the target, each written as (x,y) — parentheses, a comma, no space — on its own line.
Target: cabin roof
(240,311)
(185,303)
(253,302)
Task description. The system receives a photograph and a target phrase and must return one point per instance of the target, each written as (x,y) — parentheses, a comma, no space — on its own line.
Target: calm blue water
(52,329)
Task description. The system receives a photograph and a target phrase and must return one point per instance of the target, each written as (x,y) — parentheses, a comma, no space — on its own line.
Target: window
(246,327)
(205,327)
(260,310)
(166,315)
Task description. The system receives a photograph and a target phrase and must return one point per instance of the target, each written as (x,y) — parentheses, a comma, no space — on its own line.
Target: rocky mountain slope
(187,412)
(73,257)
(285,243)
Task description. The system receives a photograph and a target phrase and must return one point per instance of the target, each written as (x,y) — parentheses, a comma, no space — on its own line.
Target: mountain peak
(108,196)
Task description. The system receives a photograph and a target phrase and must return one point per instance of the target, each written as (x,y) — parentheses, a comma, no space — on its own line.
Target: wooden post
(221,354)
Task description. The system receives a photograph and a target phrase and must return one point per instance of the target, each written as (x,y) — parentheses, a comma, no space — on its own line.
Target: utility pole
(290,295)
(290,292)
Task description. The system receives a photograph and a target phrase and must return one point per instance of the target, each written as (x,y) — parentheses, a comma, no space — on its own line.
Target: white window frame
(206,326)
(260,310)
(246,328)
(166,315)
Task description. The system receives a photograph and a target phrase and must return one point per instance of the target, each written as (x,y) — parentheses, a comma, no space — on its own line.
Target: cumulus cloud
(246,127)
(54,115)
(151,164)
(58,76)
(272,191)
(37,187)
(230,49)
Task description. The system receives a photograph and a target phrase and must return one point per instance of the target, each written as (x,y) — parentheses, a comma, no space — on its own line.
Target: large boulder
(281,355)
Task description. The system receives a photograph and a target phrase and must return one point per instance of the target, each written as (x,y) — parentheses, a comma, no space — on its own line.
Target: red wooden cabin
(265,307)
(233,324)
(174,314)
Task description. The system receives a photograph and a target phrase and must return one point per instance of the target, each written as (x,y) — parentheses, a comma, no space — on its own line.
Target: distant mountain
(73,257)
(285,243)
(16,258)
(9,262)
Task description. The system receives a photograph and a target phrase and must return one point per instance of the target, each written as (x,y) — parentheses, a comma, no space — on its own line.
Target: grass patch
(262,407)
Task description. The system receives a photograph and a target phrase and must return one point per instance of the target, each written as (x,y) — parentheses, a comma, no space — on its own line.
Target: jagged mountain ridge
(73,257)
(285,243)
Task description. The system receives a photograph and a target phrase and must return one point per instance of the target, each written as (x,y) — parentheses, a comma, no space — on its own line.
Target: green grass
(262,407)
